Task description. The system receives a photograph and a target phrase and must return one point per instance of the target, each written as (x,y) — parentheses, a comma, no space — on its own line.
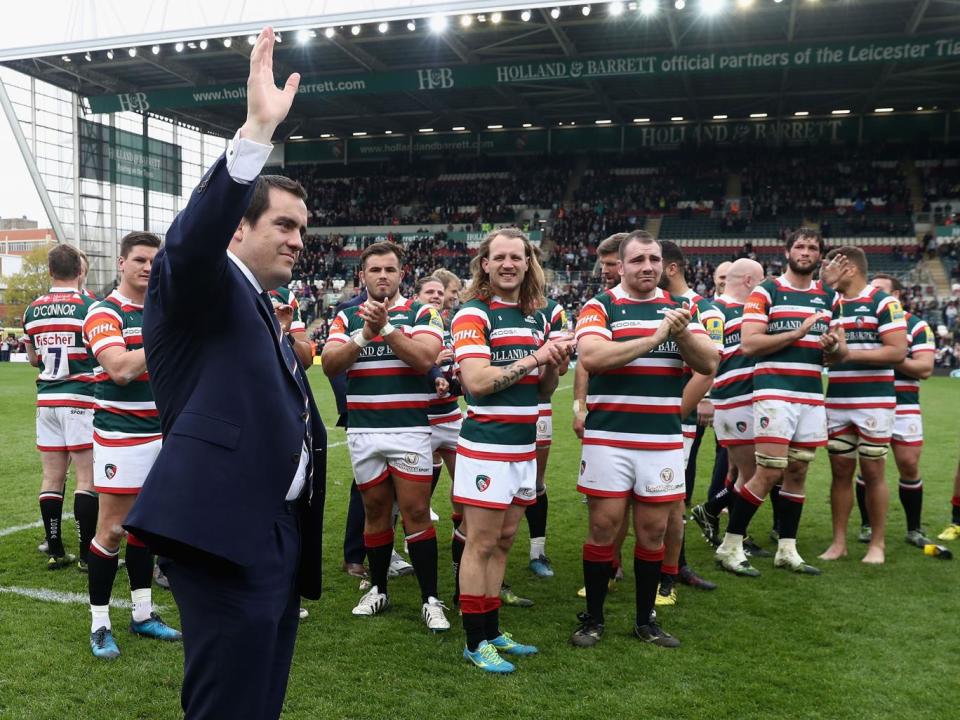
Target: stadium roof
(616,64)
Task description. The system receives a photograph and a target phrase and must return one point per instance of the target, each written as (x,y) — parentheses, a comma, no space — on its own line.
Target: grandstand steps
(734,186)
(653,225)
(912,176)
(939,276)
(576,175)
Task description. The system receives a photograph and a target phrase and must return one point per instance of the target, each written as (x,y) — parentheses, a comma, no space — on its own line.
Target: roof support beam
(917,17)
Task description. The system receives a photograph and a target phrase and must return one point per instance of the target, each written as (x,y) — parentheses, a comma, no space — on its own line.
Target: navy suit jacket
(232,414)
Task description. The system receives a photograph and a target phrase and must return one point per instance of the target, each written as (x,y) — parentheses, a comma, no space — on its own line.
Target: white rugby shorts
(122,469)
(872,424)
(734,426)
(64,429)
(495,484)
(377,455)
(652,476)
(789,423)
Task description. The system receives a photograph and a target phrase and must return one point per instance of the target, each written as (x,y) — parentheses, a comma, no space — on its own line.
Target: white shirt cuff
(246,158)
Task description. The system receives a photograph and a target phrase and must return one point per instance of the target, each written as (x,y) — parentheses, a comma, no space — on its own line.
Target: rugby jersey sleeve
(471,331)
(338,329)
(427,322)
(921,339)
(102,329)
(757,307)
(558,320)
(593,320)
(27,338)
(890,316)
(695,326)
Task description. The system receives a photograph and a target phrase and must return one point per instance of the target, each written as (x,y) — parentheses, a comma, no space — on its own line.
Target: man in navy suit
(234,501)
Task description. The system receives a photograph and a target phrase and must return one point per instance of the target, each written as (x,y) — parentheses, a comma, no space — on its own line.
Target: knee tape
(801,454)
(770,461)
(843,445)
(871,451)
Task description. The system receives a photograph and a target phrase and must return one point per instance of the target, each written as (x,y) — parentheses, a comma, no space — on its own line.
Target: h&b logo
(133,102)
(433,78)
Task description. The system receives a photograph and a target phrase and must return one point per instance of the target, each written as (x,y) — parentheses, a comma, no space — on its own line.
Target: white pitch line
(64,598)
(36,524)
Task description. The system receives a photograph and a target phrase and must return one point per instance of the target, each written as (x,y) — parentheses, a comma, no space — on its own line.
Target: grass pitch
(858,642)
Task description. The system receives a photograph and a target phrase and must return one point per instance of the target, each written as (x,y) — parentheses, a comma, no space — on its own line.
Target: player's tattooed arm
(512,374)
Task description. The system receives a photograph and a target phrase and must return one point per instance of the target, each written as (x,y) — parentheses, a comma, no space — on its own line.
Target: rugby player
(126,440)
(53,324)
(783,321)
(608,262)
(634,341)
(84,269)
(861,395)
(505,364)
(907,436)
(720,278)
(387,344)
(732,394)
(695,407)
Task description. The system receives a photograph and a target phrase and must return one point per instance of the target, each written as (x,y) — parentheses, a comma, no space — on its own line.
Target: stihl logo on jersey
(110,471)
(468,334)
(483,482)
(104,327)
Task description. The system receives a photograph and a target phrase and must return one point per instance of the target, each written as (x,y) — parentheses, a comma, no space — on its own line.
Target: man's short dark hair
(611,245)
(805,233)
(671,253)
(895,284)
(63,262)
(381,248)
(261,195)
(856,257)
(641,236)
(137,237)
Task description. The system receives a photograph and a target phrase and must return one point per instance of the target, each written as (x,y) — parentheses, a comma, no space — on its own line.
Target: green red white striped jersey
(733,384)
(919,340)
(384,394)
(636,406)
(123,414)
(556,318)
(53,324)
(446,409)
(712,320)
(500,426)
(285,296)
(793,373)
(865,319)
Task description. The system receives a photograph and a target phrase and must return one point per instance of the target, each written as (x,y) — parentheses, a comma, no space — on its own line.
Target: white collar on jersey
(59,289)
(620,292)
(786,283)
(730,300)
(246,272)
(498,299)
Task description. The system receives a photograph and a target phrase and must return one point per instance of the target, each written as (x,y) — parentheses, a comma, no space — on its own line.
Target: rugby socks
(436,477)
(537,522)
(491,618)
(597,571)
(742,509)
(955,510)
(457,544)
(101,571)
(422,547)
(911,497)
(474,608)
(775,505)
(791,507)
(671,573)
(722,499)
(379,547)
(646,570)
(51,511)
(85,507)
(861,488)
(140,572)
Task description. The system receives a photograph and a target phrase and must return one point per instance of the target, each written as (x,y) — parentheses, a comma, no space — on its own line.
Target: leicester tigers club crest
(483,482)
(410,459)
(764,422)
(666,475)
(741,426)
(110,470)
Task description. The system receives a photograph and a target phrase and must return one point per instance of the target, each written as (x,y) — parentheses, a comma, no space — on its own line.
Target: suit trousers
(239,628)
(353,549)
